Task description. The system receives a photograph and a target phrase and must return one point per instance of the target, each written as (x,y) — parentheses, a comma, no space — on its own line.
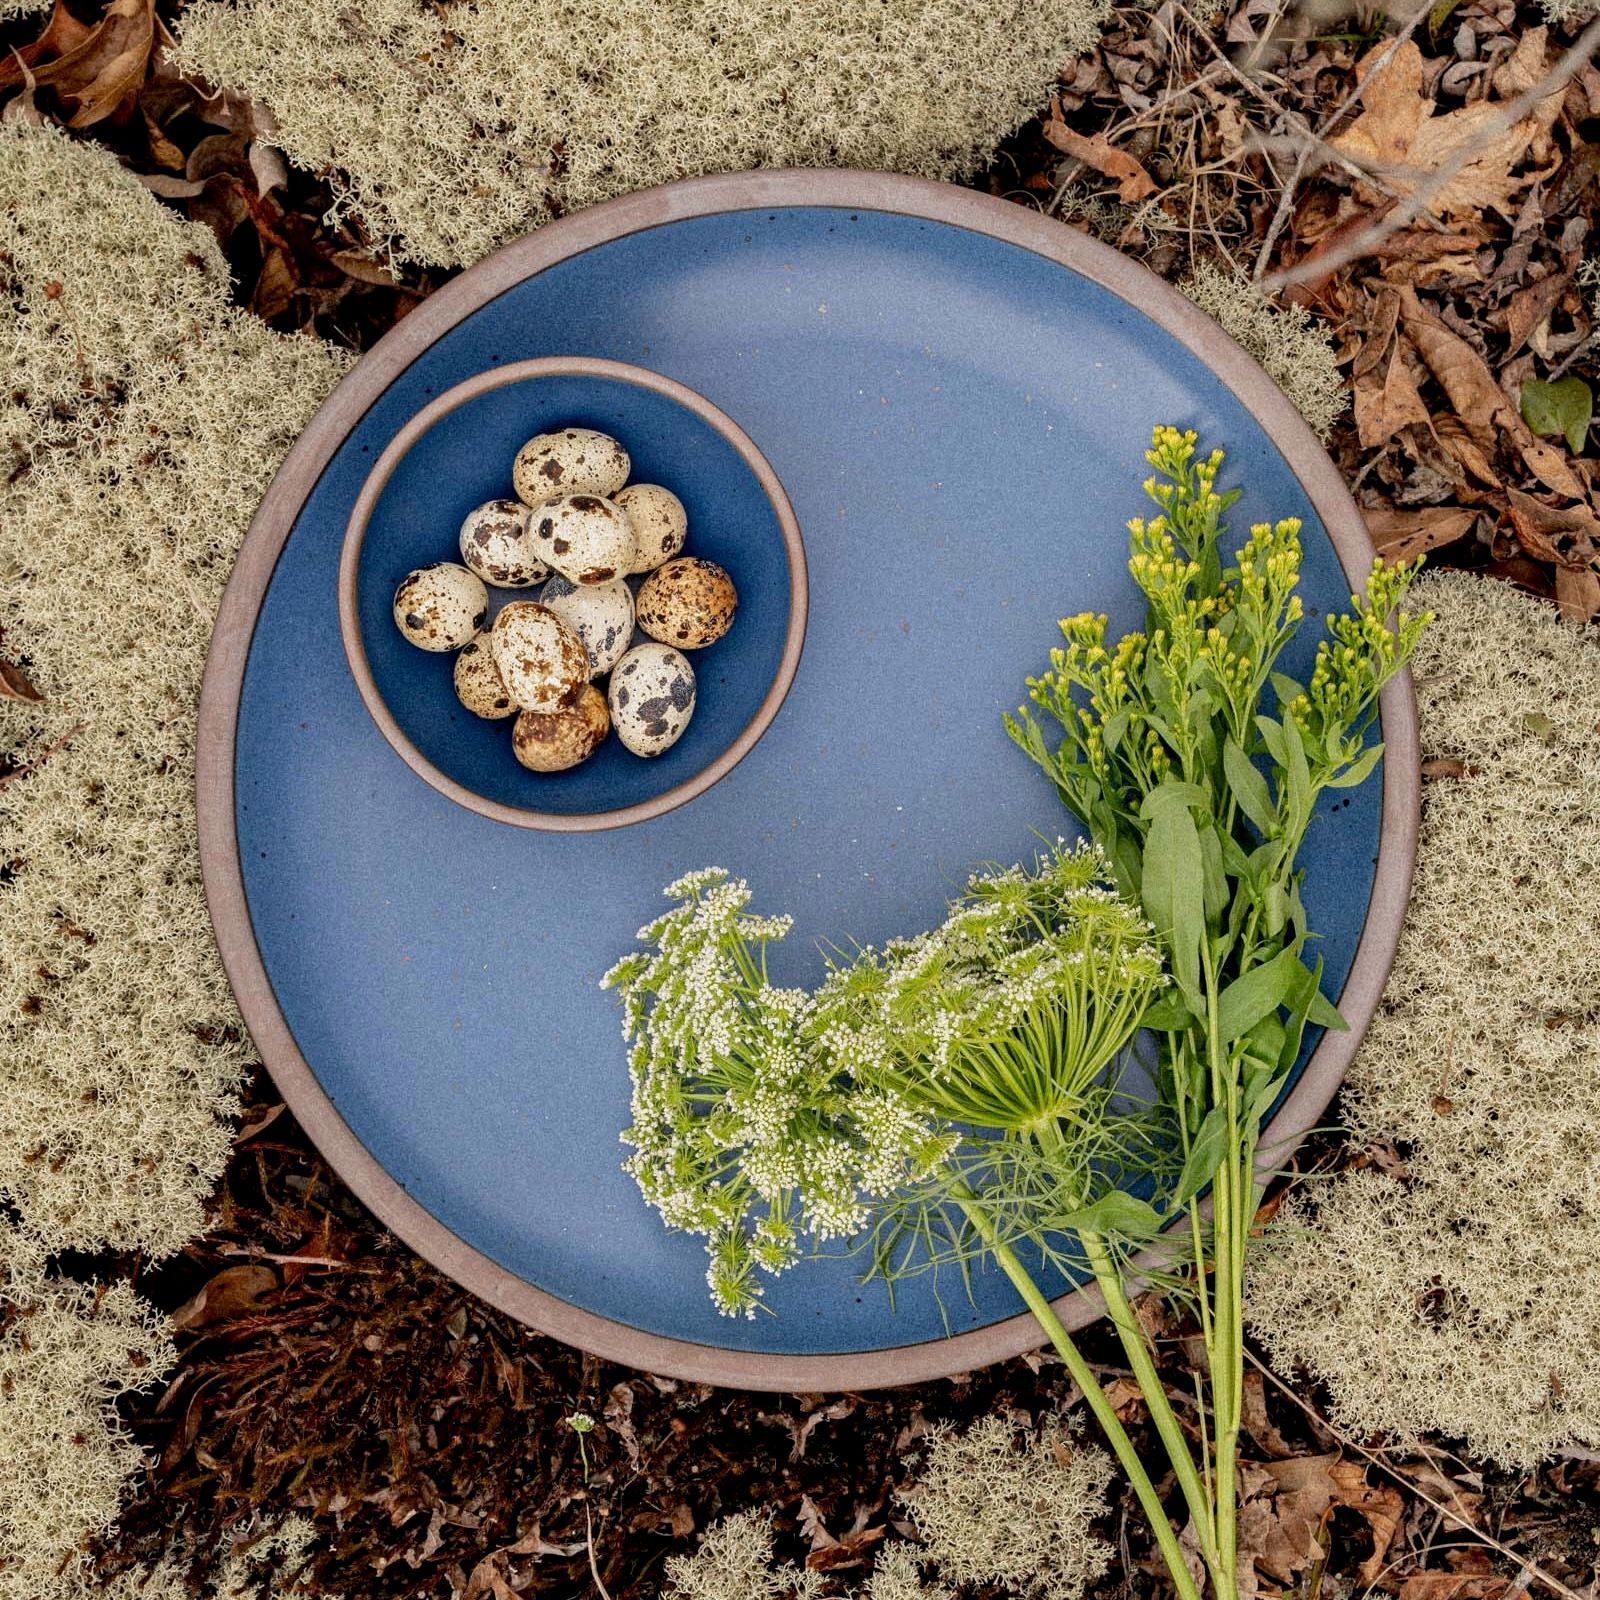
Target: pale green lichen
(1295,348)
(451,130)
(996,1505)
(67,1352)
(1458,1296)
(145,417)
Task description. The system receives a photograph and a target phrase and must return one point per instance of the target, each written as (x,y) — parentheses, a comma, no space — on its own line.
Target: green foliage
(1564,407)
(450,131)
(1198,765)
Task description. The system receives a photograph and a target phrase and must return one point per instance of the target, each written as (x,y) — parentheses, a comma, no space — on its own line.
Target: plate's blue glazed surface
(959,425)
(464,459)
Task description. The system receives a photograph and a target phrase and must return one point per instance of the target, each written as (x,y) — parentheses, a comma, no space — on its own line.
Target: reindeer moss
(993,1505)
(144,420)
(1295,348)
(1455,1292)
(66,1352)
(453,130)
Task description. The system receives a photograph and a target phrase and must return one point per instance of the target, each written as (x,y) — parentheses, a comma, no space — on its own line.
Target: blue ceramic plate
(955,395)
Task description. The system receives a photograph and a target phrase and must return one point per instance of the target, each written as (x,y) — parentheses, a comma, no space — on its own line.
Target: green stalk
(1155,1398)
(1105,1415)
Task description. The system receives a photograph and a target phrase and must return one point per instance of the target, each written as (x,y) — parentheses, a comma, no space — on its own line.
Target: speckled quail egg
(601,614)
(652,698)
(440,607)
(688,603)
(479,686)
(561,739)
(584,537)
(497,545)
(569,461)
(660,524)
(540,659)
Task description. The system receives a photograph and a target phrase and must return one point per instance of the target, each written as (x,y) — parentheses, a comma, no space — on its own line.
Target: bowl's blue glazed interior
(464,459)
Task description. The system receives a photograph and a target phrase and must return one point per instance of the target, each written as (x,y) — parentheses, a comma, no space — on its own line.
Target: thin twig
(43,756)
(1368,239)
(1553,1583)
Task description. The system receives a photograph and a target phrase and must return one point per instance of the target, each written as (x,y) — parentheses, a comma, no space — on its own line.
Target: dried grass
(454,130)
(1459,1296)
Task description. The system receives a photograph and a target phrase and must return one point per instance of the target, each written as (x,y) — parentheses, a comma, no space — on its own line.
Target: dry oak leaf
(1400,536)
(1398,135)
(1578,594)
(1302,1493)
(1133,182)
(1384,405)
(97,71)
(1567,536)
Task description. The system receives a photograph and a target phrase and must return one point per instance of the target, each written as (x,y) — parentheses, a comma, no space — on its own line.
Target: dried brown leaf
(1384,406)
(1400,536)
(94,72)
(1133,182)
(233,1292)
(1578,594)
(16,685)
(1399,136)
(1531,305)
(1474,395)
(1567,536)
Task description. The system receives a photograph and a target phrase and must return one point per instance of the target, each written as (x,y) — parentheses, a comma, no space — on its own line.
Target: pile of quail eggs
(576,531)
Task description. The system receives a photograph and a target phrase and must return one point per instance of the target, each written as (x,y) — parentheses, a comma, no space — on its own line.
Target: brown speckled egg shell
(440,607)
(586,538)
(689,603)
(479,686)
(569,461)
(496,544)
(660,524)
(540,659)
(554,742)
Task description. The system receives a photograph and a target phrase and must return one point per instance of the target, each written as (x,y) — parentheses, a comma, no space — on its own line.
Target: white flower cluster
(767,1118)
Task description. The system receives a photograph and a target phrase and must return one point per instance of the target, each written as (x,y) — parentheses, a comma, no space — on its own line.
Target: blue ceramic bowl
(456,453)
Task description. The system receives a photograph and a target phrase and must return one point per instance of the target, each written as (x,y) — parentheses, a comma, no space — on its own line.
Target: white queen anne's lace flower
(765,1118)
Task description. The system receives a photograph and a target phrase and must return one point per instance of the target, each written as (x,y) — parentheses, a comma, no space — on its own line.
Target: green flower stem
(1105,1415)
(1154,1391)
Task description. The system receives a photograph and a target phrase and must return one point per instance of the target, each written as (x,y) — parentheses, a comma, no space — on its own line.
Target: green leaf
(1259,993)
(1440,13)
(1173,881)
(1287,689)
(1215,896)
(1111,735)
(1272,737)
(1205,1156)
(1324,1012)
(1297,773)
(1174,792)
(1249,788)
(1563,407)
(1167,1015)
(1116,1212)
(1359,770)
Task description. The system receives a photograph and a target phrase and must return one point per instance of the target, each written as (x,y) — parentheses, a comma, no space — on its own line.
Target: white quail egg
(479,686)
(440,607)
(497,544)
(688,603)
(652,698)
(601,614)
(541,661)
(560,739)
(584,537)
(660,524)
(569,461)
